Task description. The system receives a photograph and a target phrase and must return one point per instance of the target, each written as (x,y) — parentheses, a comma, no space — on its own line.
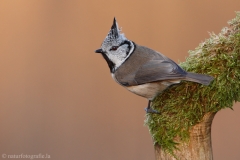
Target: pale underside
(151,90)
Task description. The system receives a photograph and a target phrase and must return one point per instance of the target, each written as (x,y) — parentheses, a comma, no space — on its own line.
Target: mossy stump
(183,129)
(199,144)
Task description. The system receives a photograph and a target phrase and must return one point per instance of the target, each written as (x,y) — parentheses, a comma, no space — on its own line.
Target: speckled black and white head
(116,48)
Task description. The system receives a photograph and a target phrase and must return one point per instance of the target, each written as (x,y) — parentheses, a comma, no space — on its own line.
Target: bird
(141,70)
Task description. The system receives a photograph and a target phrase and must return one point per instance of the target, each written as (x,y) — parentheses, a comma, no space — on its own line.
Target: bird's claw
(150,110)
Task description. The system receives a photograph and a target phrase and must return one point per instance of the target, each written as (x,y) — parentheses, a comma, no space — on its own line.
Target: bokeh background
(57,96)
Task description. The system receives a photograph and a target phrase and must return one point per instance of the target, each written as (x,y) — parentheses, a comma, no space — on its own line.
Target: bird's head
(115,48)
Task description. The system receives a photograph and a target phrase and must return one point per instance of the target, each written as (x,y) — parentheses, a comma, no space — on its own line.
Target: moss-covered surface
(184,105)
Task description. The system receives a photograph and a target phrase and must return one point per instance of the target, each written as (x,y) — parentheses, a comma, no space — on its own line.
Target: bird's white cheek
(116,60)
(122,54)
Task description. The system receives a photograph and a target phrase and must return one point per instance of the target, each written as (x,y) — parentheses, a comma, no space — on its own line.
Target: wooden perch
(199,144)
(183,129)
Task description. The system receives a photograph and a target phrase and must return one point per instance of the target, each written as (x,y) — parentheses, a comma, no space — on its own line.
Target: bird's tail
(199,78)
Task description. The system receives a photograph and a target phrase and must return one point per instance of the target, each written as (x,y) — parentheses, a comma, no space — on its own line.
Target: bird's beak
(99,51)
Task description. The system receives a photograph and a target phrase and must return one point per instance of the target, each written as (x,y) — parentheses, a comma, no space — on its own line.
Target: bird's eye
(114,48)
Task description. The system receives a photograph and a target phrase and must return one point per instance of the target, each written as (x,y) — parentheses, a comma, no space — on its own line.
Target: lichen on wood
(184,105)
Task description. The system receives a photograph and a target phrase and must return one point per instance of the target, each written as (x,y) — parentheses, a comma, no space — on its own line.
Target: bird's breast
(150,90)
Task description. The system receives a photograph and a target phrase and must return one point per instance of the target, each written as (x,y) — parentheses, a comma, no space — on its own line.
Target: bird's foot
(150,110)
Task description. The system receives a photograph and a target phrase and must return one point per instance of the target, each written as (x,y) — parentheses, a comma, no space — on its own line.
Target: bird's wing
(159,69)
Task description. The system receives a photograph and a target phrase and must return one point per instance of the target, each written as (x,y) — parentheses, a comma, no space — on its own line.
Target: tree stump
(199,146)
(182,130)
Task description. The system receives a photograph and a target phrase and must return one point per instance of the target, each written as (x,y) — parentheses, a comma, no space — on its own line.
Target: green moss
(184,105)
